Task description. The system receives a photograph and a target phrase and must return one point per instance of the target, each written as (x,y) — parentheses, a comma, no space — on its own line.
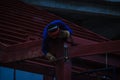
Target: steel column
(62,68)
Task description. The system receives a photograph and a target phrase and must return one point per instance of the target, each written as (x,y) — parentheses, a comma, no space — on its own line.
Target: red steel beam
(63,69)
(21,51)
(31,52)
(46,63)
(30,49)
(95,58)
(102,59)
(98,48)
(38,67)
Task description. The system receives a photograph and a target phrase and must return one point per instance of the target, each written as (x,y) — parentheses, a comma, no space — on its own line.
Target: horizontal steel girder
(98,48)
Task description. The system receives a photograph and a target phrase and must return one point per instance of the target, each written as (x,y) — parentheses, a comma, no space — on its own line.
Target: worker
(56,29)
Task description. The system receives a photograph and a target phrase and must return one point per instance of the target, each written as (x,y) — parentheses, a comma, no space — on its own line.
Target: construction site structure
(21,25)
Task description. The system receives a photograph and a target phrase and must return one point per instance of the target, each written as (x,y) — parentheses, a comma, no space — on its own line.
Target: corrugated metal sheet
(18,21)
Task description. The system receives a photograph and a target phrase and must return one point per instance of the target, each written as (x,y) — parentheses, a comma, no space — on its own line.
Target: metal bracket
(66,58)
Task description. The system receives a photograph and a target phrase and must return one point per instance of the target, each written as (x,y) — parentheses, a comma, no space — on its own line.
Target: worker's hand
(64,34)
(50,57)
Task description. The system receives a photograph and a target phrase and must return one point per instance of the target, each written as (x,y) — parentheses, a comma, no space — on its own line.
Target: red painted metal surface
(62,69)
(102,59)
(99,48)
(21,27)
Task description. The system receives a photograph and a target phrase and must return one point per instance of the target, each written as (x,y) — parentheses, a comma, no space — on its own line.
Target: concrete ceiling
(100,16)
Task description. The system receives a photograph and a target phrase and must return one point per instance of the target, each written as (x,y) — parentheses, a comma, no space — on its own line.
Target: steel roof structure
(21,27)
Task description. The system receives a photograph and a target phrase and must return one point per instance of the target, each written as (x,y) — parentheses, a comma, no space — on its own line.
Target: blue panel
(22,75)
(7,74)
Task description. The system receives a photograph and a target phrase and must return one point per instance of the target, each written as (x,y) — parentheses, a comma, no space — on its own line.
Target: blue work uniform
(46,38)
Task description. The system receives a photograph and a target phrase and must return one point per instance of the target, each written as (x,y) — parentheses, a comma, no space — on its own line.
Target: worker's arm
(45,50)
(44,46)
